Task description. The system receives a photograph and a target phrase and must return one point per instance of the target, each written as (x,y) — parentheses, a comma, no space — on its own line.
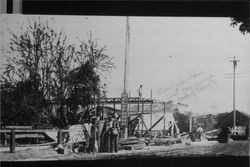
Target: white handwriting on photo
(190,86)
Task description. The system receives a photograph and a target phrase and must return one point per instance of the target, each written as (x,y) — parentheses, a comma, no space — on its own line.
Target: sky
(184,59)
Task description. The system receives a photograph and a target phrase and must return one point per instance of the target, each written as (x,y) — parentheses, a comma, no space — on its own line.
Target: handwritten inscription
(190,86)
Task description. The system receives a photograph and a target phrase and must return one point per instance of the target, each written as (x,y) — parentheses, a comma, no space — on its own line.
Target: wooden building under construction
(145,116)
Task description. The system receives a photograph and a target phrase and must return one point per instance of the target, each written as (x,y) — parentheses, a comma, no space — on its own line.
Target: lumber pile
(165,141)
(132,143)
(133,147)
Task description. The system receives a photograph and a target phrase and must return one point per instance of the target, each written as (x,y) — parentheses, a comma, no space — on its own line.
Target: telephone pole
(234,67)
(124,99)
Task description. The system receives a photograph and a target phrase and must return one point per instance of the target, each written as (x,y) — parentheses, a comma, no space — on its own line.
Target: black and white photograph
(110,87)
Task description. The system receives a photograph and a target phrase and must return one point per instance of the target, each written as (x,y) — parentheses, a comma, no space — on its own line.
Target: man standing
(199,131)
(107,134)
(140,92)
(104,90)
(114,134)
(104,139)
(170,128)
(93,135)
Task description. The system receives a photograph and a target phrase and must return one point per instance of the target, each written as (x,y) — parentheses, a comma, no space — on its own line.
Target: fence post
(12,141)
(59,137)
(164,119)
(190,124)
(114,103)
(5,139)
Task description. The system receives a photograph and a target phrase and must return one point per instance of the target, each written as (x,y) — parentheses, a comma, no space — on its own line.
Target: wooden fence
(13,132)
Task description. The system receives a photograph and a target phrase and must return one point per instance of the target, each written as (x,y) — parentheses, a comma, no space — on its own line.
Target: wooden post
(12,141)
(5,139)
(95,104)
(138,112)
(129,94)
(103,108)
(142,116)
(151,108)
(151,97)
(59,137)
(190,124)
(164,120)
(114,103)
(138,105)
(155,124)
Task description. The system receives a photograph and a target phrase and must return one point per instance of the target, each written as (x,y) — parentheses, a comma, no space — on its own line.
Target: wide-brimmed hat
(93,118)
(116,115)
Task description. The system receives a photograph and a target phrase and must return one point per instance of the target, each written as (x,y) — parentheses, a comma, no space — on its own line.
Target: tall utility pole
(126,55)
(124,100)
(234,67)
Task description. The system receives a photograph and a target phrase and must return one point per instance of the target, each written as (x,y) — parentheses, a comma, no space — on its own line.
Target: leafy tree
(35,54)
(243,22)
(21,104)
(84,84)
(182,121)
(62,77)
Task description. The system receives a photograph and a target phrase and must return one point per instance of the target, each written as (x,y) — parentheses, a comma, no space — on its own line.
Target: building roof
(227,120)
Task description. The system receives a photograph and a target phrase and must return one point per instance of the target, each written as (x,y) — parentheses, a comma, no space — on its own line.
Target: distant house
(227,119)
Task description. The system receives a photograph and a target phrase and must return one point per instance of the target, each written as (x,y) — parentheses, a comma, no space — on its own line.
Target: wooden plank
(142,116)
(18,136)
(5,139)
(33,130)
(134,119)
(59,137)
(151,115)
(18,127)
(164,121)
(139,113)
(154,125)
(36,145)
(147,130)
(12,141)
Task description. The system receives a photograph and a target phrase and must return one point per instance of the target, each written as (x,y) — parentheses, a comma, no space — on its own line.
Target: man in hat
(170,128)
(93,135)
(140,92)
(104,90)
(107,138)
(199,131)
(106,135)
(115,129)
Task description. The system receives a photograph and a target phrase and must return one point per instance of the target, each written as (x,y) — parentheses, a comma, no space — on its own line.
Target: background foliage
(47,80)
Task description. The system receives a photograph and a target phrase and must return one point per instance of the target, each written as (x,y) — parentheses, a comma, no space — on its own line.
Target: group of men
(109,136)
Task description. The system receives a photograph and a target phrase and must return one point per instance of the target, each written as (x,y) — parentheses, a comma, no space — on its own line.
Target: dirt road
(212,148)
